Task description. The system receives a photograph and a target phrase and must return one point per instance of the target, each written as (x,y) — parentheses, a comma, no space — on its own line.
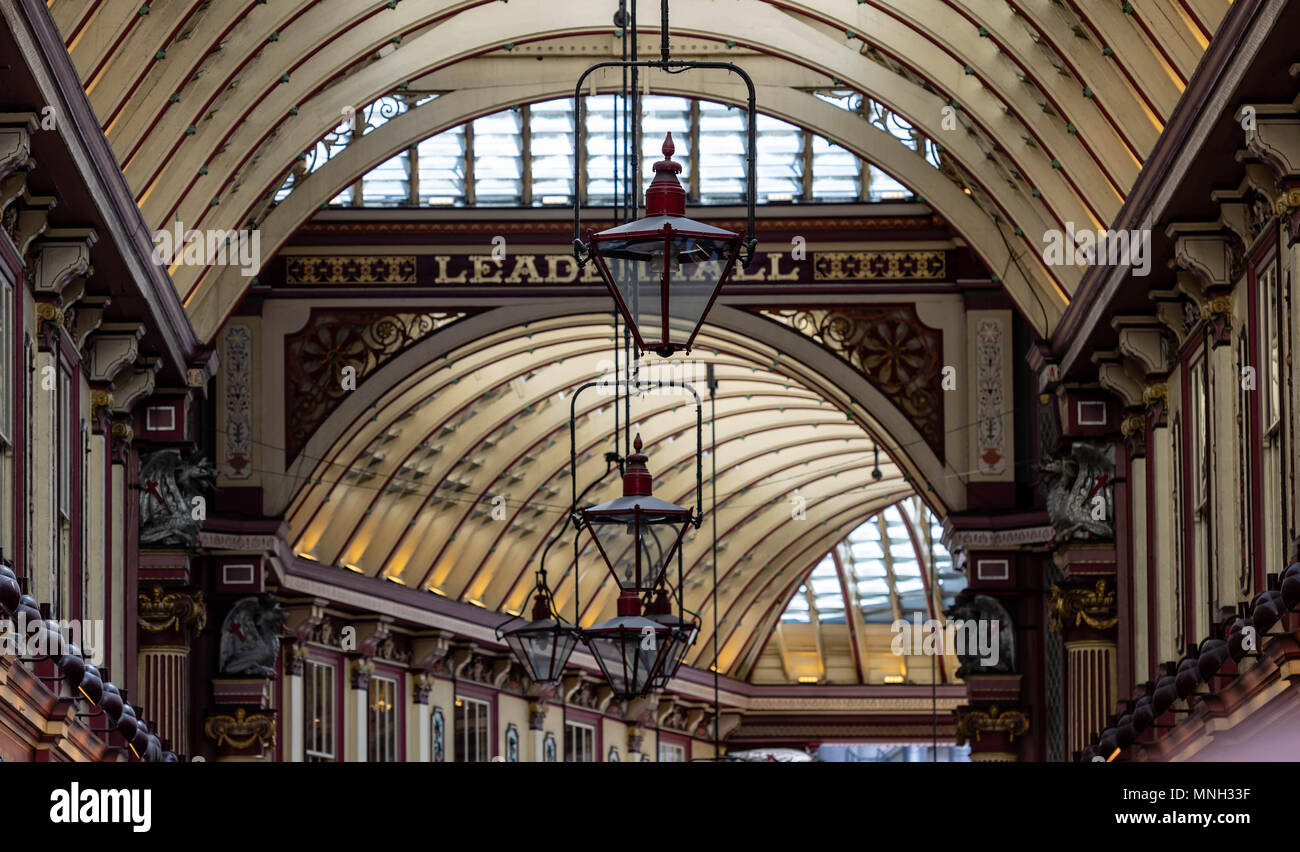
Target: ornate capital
(1217,314)
(359,672)
(972,722)
(1134,429)
(295,662)
(1287,201)
(422,685)
(172,611)
(536,716)
(241,730)
(1094,607)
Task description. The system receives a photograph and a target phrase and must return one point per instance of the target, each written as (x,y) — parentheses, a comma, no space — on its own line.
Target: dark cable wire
(713,516)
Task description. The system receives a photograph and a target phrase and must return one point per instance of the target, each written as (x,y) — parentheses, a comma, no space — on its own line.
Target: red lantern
(681,636)
(637,534)
(542,646)
(665,267)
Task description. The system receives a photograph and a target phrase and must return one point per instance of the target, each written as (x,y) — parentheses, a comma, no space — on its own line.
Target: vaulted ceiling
(459,477)
(1045,108)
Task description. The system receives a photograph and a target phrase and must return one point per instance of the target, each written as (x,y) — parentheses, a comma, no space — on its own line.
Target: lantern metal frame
(743,245)
(577,522)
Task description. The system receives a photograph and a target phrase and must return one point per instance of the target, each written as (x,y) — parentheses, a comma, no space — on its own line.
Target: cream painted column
(44,531)
(95,606)
(292,703)
(117,556)
(419,744)
(1225,386)
(355,704)
(1137,511)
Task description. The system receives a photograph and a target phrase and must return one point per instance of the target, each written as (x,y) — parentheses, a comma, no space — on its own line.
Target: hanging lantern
(637,534)
(682,635)
(542,646)
(665,267)
(630,649)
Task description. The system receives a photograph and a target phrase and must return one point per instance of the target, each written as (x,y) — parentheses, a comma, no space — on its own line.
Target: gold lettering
(738,273)
(442,277)
(524,265)
(553,274)
(483,264)
(774,265)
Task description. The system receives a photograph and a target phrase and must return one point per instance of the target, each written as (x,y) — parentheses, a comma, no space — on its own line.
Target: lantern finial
(665,196)
(636,479)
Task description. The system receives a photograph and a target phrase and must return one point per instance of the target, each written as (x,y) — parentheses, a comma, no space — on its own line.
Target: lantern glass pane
(636,267)
(629,656)
(656,542)
(542,648)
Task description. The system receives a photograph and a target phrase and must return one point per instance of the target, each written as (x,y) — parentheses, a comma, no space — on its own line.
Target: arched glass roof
(883,570)
(523,156)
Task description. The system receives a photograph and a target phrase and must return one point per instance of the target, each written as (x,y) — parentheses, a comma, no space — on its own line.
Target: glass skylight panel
(872,587)
(389,183)
(661,115)
(835,171)
(913,603)
(498,158)
(723,140)
(868,577)
(603,129)
(343,199)
(551,128)
(867,550)
(882,187)
(442,167)
(825,586)
(780,160)
(902,552)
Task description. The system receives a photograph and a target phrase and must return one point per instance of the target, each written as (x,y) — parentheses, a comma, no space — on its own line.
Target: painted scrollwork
(900,355)
(316,359)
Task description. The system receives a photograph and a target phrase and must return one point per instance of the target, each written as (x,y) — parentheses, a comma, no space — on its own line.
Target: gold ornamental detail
(172,611)
(241,730)
(971,723)
(1094,607)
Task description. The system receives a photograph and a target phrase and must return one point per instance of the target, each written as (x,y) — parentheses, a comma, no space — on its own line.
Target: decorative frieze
(991,402)
(332,270)
(917,265)
(237,372)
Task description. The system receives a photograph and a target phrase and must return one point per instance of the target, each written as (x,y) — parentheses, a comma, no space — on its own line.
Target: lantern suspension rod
(541,569)
(712,379)
(698,520)
(580,249)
